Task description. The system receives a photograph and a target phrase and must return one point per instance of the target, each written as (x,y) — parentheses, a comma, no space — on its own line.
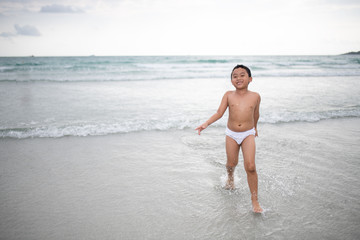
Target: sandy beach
(169,185)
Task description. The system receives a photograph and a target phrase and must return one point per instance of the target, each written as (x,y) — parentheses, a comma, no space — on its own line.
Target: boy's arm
(219,113)
(257,114)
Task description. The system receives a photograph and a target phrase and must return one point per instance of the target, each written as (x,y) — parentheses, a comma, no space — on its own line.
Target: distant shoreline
(94,56)
(352,53)
(256,55)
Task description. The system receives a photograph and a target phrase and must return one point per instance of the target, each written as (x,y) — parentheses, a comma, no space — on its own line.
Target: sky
(178,27)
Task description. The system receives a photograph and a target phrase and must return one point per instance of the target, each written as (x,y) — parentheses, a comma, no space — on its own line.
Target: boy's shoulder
(256,96)
(255,93)
(228,93)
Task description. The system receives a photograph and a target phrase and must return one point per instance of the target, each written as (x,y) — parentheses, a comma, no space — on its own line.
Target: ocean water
(105,148)
(81,96)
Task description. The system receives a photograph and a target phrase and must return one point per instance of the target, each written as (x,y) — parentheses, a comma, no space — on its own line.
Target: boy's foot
(256,207)
(230,184)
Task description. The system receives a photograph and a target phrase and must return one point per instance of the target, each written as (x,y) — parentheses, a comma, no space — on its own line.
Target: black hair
(241,66)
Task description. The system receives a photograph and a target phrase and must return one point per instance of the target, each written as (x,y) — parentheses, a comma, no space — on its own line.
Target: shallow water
(82,96)
(169,185)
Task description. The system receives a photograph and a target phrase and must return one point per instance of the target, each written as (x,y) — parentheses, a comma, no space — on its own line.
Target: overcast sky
(178,27)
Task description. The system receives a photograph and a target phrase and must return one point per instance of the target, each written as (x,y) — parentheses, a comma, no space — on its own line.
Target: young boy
(241,129)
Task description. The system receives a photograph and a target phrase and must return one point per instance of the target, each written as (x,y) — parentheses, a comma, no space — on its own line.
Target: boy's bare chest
(242,104)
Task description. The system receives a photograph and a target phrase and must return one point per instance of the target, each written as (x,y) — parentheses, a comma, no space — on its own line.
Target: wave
(140,76)
(101,79)
(99,129)
(69,69)
(213,61)
(355,60)
(29,64)
(288,117)
(83,130)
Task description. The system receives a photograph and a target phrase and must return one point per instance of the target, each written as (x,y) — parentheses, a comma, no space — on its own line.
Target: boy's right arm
(219,113)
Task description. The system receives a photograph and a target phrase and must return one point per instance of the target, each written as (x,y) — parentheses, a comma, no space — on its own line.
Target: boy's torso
(241,111)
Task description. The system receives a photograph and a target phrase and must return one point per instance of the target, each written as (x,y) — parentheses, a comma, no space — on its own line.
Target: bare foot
(230,184)
(256,207)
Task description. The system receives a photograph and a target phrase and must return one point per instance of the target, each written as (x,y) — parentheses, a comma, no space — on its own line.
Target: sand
(169,185)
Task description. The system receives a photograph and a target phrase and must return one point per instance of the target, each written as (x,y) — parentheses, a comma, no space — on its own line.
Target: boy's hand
(201,127)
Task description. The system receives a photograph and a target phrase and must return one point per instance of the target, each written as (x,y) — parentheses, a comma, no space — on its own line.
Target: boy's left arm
(257,113)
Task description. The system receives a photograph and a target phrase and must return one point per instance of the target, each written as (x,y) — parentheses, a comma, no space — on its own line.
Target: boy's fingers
(200,128)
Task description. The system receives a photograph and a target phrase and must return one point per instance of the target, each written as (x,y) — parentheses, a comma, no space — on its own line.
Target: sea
(104,147)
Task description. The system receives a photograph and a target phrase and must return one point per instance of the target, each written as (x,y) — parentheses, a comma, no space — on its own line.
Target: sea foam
(48,129)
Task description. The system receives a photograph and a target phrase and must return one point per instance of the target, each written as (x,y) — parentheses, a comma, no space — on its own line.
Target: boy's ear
(250,79)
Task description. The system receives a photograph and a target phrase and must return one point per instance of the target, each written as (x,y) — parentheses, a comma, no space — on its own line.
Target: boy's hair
(241,66)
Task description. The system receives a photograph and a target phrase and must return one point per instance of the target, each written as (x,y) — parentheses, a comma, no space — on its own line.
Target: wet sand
(169,185)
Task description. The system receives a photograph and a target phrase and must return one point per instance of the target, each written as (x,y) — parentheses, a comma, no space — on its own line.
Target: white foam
(48,129)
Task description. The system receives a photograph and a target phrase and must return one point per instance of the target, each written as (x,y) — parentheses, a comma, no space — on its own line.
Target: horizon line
(183,55)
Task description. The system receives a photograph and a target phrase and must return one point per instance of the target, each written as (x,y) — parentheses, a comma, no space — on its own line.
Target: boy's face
(240,78)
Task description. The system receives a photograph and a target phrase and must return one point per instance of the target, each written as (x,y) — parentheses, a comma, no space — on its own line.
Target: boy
(241,129)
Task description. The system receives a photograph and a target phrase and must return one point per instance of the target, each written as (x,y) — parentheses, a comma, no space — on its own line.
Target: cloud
(7,34)
(341,2)
(26,30)
(56,8)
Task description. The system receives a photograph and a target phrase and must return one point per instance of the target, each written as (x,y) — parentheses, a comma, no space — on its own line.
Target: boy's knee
(231,165)
(250,168)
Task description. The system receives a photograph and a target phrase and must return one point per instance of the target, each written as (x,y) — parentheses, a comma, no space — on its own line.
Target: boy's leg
(232,153)
(248,150)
